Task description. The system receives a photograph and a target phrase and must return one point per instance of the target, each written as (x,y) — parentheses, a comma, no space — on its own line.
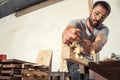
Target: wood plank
(45,58)
(109,69)
(13,61)
(11,71)
(10,78)
(11,66)
(69,55)
(34,72)
(35,78)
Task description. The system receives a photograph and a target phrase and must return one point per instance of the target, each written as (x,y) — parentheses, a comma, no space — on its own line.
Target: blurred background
(23,35)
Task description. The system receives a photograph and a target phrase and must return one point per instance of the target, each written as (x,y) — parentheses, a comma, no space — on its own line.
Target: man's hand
(87,46)
(70,35)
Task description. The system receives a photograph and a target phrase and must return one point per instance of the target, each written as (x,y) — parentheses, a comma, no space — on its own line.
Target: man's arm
(70,34)
(99,42)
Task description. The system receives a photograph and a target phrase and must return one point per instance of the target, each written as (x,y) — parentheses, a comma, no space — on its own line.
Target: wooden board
(14,61)
(68,54)
(45,58)
(23,78)
(34,72)
(11,66)
(108,69)
(13,69)
(10,78)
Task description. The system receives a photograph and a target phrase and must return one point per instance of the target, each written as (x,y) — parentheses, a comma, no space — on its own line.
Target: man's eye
(97,13)
(102,17)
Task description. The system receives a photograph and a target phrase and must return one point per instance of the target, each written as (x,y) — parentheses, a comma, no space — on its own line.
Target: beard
(92,22)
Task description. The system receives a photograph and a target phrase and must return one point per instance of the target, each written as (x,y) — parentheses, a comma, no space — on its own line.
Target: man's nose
(98,17)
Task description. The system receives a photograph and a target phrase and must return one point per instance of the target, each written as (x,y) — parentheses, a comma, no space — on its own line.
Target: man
(91,31)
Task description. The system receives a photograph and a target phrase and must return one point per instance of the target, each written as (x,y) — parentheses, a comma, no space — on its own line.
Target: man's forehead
(101,9)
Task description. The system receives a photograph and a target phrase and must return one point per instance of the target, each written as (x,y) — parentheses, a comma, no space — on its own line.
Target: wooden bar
(10,78)
(68,54)
(11,65)
(13,69)
(11,72)
(34,72)
(108,69)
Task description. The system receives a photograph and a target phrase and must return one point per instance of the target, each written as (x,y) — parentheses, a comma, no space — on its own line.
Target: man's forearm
(97,45)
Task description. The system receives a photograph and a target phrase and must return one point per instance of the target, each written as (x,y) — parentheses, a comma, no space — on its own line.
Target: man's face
(97,15)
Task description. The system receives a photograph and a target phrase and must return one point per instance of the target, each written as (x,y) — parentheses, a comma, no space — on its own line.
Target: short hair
(104,4)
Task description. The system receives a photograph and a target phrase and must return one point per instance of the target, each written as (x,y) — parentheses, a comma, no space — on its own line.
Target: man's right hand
(70,35)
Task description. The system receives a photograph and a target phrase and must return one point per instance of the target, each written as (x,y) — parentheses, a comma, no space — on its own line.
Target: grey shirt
(86,34)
